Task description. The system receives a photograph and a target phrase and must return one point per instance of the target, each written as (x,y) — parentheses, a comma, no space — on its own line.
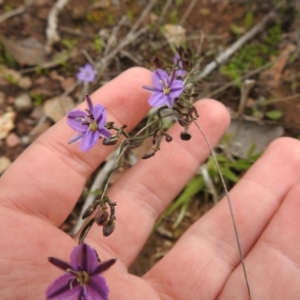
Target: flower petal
(157,76)
(76,138)
(89,140)
(97,288)
(151,88)
(157,99)
(180,72)
(100,114)
(104,265)
(170,102)
(60,288)
(59,263)
(83,257)
(176,88)
(89,103)
(104,132)
(74,122)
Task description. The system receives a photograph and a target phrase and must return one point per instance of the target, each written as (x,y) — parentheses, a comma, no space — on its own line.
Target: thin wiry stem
(230,209)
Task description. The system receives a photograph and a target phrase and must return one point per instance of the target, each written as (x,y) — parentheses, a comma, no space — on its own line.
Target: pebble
(4,163)
(37,112)
(12,140)
(25,83)
(56,108)
(6,123)
(23,103)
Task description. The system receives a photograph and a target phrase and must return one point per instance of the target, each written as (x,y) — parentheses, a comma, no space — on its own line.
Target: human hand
(42,186)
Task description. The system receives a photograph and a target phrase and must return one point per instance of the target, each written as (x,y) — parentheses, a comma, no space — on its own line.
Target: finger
(146,189)
(51,174)
(207,253)
(274,262)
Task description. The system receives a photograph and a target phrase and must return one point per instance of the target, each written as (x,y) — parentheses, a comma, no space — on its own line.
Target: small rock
(57,107)
(23,103)
(12,140)
(4,163)
(25,83)
(6,123)
(25,140)
(37,112)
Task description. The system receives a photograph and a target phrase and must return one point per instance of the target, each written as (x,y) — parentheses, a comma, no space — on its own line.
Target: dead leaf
(26,52)
(273,76)
(175,34)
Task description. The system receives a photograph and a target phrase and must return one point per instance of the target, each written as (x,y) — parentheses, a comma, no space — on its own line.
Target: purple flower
(177,61)
(166,88)
(89,123)
(86,74)
(82,281)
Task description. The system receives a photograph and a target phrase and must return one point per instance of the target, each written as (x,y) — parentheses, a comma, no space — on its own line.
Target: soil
(84,25)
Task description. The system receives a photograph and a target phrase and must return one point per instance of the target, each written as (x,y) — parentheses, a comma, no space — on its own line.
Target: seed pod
(185,135)
(110,141)
(149,154)
(88,212)
(157,62)
(168,138)
(183,122)
(109,227)
(101,217)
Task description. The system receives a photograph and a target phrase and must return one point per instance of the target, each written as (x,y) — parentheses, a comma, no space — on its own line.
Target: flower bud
(185,135)
(109,227)
(101,217)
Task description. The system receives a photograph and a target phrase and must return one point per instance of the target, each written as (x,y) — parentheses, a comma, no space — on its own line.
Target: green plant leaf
(274,114)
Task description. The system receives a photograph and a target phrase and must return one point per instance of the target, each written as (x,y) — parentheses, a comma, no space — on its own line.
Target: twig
(51,30)
(232,83)
(101,176)
(235,46)
(113,35)
(230,208)
(187,12)
(138,22)
(164,10)
(12,13)
(102,64)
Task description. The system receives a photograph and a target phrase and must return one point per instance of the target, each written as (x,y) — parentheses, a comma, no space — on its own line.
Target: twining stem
(230,209)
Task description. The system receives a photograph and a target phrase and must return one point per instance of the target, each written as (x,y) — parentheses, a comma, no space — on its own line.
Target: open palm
(40,189)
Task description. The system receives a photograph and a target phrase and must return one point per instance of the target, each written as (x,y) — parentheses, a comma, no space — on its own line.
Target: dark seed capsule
(110,141)
(88,212)
(149,154)
(185,135)
(183,122)
(109,227)
(168,138)
(156,62)
(101,217)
